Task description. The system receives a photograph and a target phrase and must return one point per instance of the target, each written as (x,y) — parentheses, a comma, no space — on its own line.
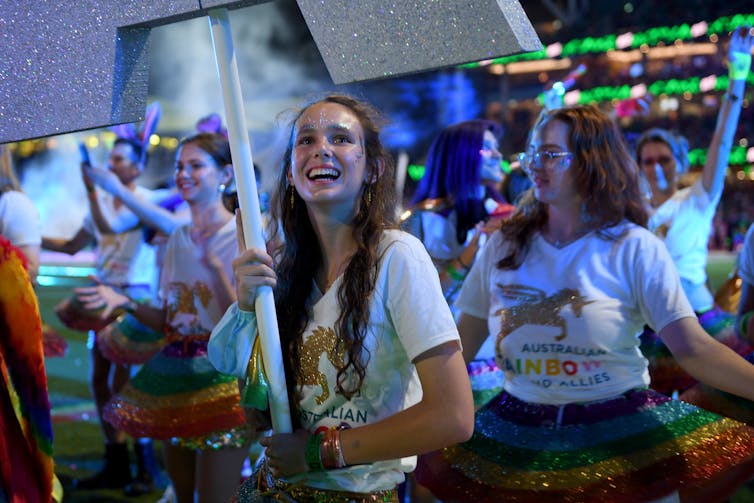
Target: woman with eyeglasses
(565,287)
(682,217)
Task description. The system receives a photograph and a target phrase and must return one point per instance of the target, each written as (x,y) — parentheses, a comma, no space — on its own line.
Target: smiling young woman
(370,348)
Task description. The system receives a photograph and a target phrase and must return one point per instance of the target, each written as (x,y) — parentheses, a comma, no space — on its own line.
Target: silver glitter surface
(366,39)
(70,66)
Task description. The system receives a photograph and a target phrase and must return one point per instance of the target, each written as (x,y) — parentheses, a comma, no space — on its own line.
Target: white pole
(248,199)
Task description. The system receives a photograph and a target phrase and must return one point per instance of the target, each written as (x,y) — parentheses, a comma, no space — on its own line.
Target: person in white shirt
(682,217)
(125,261)
(370,349)
(565,288)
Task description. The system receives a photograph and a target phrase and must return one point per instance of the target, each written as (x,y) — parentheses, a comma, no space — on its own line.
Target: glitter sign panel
(74,66)
(363,40)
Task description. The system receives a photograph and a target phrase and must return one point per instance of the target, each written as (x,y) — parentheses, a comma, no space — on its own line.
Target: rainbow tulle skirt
(665,374)
(179,395)
(639,446)
(127,341)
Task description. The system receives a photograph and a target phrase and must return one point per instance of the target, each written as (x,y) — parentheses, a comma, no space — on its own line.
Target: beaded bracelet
(744,323)
(313,459)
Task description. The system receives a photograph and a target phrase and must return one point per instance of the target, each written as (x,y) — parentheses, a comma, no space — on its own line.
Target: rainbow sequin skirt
(127,341)
(486,380)
(639,446)
(665,374)
(179,395)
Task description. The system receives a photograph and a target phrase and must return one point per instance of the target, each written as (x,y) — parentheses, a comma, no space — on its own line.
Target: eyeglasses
(541,158)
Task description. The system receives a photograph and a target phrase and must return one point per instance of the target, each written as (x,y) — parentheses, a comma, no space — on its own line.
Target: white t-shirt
(185,290)
(685,222)
(408,316)
(124,258)
(567,321)
(19,219)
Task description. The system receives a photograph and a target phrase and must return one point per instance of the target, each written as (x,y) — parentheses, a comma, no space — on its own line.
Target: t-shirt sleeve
(420,315)
(22,226)
(746,259)
(660,297)
(474,298)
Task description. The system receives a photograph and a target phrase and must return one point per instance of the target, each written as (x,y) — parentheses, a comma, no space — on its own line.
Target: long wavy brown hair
(605,176)
(300,257)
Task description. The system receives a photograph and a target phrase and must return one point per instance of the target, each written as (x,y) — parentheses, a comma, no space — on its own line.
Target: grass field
(78,442)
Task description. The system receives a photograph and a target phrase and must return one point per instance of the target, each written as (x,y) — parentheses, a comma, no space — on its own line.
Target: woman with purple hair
(452,205)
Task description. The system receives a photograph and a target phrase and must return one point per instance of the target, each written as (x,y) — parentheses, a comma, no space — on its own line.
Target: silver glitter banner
(71,66)
(365,39)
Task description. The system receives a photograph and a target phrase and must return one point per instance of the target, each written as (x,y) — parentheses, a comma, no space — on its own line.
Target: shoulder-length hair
(605,176)
(453,171)
(301,256)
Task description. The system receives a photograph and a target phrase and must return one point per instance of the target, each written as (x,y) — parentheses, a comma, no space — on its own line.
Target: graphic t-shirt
(408,316)
(566,322)
(192,309)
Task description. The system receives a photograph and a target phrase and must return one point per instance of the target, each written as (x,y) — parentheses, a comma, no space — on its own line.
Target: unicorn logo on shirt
(321,341)
(536,308)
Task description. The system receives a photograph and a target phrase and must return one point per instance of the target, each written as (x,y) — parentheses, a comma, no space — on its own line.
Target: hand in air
(741,40)
(104,178)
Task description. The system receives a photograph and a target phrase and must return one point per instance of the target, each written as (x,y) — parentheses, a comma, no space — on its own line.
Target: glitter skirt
(127,341)
(665,374)
(179,395)
(261,487)
(639,446)
(486,380)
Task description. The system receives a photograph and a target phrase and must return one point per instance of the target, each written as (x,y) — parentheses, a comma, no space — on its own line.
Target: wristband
(313,460)
(739,65)
(454,273)
(330,452)
(744,323)
(339,449)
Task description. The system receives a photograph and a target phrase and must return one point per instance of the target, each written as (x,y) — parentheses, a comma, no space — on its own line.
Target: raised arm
(739,62)
(69,246)
(148,213)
